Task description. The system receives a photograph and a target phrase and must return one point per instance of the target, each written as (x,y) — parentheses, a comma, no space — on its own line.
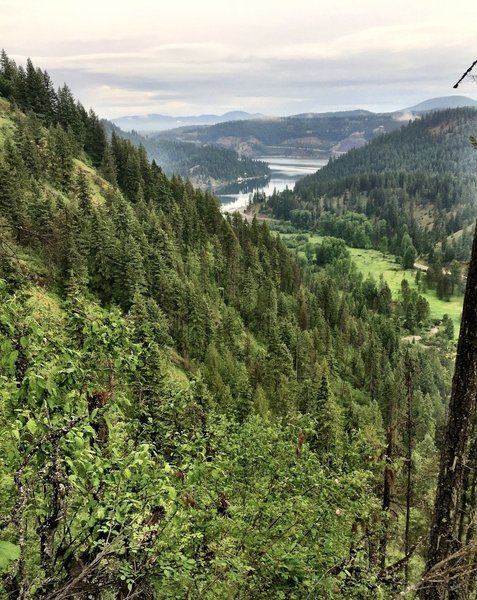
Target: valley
(284,173)
(195,405)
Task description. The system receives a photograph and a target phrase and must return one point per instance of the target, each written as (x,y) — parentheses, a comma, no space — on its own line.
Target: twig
(445,569)
(465,74)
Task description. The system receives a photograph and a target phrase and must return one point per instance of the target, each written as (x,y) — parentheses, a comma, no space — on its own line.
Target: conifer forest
(204,405)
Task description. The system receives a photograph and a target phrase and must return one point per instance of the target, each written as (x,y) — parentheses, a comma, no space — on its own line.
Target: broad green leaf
(31,426)
(8,553)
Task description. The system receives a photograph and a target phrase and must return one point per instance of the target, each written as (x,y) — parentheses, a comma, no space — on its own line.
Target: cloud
(274,57)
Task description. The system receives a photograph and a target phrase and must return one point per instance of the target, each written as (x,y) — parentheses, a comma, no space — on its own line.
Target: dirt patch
(411,338)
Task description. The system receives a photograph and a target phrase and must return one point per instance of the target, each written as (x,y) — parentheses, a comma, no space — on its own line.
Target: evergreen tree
(326,440)
(83,193)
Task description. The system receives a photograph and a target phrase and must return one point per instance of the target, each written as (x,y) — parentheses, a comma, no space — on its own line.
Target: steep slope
(180,403)
(422,177)
(206,166)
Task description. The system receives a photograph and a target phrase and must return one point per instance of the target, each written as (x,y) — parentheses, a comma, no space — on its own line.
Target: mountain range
(442,103)
(158,122)
(305,135)
(155,122)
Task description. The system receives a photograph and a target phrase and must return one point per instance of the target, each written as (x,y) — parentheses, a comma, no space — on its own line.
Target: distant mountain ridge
(155,122)
(442,103)
(307,135)
(158,122)
(302,135)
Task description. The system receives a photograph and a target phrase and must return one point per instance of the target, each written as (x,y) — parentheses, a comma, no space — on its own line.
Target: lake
(285,172)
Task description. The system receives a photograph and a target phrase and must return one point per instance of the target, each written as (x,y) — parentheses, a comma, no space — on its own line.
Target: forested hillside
(185,411)
(207,166)
(314,135)
(418,182)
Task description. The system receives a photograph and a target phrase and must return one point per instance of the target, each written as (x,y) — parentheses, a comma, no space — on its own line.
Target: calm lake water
(285,172)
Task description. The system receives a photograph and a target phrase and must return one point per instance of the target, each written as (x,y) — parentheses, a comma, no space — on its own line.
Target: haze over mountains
(312,135)
(442,103)
(206,149)
(158,122)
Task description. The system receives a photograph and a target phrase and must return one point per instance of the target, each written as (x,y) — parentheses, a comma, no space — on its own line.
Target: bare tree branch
(453,567)
(455,86)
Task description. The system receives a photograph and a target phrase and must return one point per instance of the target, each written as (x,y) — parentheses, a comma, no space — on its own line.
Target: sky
(186,57)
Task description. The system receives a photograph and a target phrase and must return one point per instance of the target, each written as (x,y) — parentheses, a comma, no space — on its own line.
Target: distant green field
(372,262)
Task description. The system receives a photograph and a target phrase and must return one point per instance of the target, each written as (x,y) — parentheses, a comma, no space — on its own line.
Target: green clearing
(373,263)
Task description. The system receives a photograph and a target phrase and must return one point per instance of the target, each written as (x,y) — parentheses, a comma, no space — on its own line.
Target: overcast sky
(182,57)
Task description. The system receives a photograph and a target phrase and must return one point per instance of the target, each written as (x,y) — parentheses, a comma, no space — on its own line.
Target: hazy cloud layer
(187,57)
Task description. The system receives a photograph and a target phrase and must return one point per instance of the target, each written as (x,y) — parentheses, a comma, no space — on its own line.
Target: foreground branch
(455,86)
(453,567)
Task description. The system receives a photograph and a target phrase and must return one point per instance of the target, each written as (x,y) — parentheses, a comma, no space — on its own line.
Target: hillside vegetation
(422,177)
(310,135)
(185,410)
(376,265)
(411,193)
(207,166)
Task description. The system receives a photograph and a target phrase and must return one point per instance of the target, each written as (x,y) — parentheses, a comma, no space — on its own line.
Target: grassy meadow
(375,264)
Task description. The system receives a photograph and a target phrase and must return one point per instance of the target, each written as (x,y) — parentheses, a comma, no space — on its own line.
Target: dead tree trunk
(409,382)
(389,485)
(462,408)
